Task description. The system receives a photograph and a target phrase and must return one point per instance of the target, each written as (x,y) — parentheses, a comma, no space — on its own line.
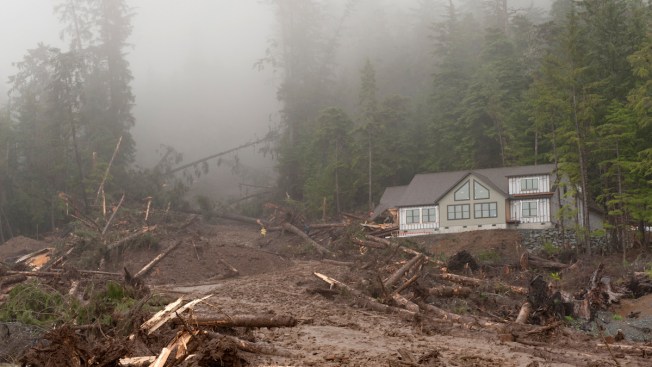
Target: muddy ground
(275,276)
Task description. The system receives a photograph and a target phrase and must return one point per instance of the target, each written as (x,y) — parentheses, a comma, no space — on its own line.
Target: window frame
(529,209)
(524,184)
(475,197)
(455,212)
(409,215)
(468,191)
(482,210)
(432,218)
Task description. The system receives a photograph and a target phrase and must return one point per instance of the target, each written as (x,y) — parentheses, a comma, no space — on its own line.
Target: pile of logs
(194,331)
(189,338)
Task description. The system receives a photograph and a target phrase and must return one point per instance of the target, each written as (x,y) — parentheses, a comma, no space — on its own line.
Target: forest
(369,96)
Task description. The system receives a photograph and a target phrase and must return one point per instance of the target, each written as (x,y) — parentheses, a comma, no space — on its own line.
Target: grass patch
(489,256)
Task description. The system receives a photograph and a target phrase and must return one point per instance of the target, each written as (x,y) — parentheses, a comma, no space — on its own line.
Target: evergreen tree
(368,120)
(68,107)
(303,53)
(328,163)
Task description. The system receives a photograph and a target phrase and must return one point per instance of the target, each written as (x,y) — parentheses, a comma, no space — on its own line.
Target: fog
(195,85)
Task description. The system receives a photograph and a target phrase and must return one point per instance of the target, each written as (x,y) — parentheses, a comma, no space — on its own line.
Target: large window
(479,191)
(428,215)
(412,216)
(529,184)
(486,210)
(463,192)
(461,211)
(529,209)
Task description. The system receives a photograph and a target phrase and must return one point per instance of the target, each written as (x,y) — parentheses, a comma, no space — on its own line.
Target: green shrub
(34,303)
(550,249)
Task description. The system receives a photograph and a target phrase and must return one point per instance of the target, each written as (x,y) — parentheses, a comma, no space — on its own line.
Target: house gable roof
(484,180)
(428,188)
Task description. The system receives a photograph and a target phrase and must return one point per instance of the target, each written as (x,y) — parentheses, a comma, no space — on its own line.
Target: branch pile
(188,339)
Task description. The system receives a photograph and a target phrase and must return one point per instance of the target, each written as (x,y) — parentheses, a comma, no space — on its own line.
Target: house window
(486,210)
(428,215)
(479,191)
(463,192)
(412,216)
(529,184)
(460,211)
(529,209)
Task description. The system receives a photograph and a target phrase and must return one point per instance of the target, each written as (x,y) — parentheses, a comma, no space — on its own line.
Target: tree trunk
(321,249)
(369,148)
(579,130)
(337,178)
(249,321)
(557,184)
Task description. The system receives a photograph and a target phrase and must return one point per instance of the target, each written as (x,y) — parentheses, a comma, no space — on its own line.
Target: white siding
(515,184)
(403,226)
(542,212)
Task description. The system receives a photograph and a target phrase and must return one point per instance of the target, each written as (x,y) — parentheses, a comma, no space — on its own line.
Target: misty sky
(195,86)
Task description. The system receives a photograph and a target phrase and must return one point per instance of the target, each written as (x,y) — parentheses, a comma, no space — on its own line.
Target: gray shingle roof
(391,196)
(427,188)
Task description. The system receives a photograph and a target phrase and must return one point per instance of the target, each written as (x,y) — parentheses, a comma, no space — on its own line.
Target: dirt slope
(333,332)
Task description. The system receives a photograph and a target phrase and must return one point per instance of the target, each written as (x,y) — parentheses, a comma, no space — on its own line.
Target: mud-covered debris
(461,261)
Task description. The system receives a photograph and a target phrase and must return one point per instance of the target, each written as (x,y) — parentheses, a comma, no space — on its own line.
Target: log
(311,226)
(270,135)
(524,313)
(35,253)
(170,307)
(133,236)
(258,348)
(371,244)
(407,283)
(40,274)
(155,260)
(321,249)
(241,218)
(136,361)
(231,268)
(402,270)
(55,272)
(338,263)
(12,279)
(468,281)
(385,231)
(327,225)
(409,305)
(108,223)
(542,263)
(59,260)
(250,321)
(475,282)
(467,321)
(386,243)
(379,240)
(169,312)
(365,300)
(108,168)
(179,342)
